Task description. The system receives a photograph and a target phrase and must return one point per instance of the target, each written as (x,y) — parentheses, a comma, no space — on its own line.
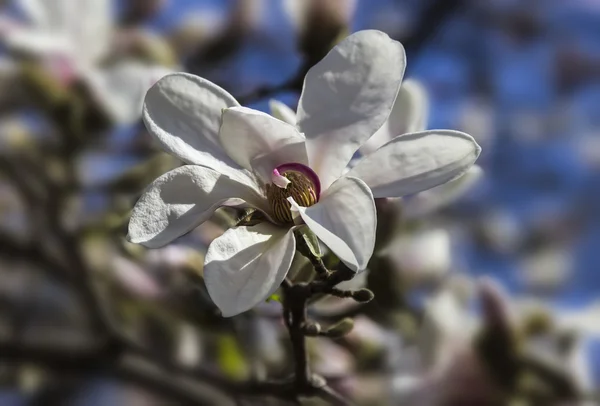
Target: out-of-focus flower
(451,371)
(546,269)
(291,174)
(447,324)
(562,336)
(72,38)
(431,200)
(408,115)
(330,359)
(173,256)
(14,133)
(422,255)
(190,348)
(70,35)
(502,230)
(135,279)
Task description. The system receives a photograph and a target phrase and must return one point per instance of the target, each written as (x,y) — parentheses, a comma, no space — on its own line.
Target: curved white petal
(282,112)
(183,112)
(182,199)
(347,97)
(120,89)
(436,198)
(416,162)
(259,142)
(246,265)
(345,220)
(408,115)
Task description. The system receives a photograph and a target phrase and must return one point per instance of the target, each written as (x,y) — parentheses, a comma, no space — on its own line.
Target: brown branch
(295,303)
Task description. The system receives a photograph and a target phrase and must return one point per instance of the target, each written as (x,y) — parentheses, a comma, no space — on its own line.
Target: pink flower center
(292,180)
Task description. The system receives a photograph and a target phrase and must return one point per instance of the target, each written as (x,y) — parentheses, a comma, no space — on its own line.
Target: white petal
(408,115)
(422,255)
(183,112)
(246,265)
(446,323)
(41,12)
(416,162)
(91,27)
(434,199)
(282,112)
(86,24)
(347,97)
(38,43)
(259,142)
(182,199)
(120,89)
(345,220)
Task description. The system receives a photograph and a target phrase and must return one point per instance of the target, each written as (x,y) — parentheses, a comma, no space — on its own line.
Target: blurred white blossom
(421,255)
(546,269)
(135,279)
(73,38)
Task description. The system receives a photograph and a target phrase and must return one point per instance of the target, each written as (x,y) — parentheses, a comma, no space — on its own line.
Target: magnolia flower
(422,255)
(293,174)
(72,37)
(449,369)
(408,116)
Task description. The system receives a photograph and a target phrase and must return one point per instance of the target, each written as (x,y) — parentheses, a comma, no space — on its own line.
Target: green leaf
(230,358)
(274,297)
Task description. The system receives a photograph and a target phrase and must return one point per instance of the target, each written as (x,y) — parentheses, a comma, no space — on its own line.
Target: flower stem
(295,316)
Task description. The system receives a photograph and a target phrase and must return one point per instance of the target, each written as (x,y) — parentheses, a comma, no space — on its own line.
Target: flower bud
(363,295)
(339,329)
(312,329)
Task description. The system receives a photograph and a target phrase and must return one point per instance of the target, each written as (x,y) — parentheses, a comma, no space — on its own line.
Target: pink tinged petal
(345,220)
(182,199)
(416,162)
(256,141)
(306,171)
(282,112)
(347,97)
(246,265)
(408,115)
(279,180)
(183,112)
(135,279)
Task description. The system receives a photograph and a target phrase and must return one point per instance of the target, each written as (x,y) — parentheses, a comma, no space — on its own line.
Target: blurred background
(522,77)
